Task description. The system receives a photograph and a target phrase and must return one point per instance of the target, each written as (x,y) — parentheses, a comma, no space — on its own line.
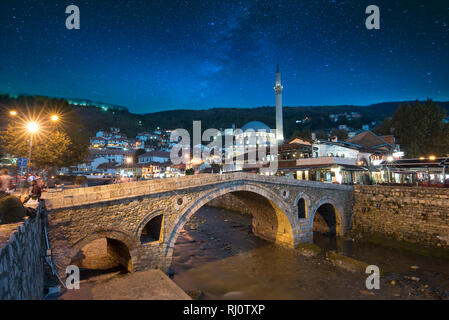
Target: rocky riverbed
(217,257)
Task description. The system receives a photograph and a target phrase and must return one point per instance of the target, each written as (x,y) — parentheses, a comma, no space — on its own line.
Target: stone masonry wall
(231,202)
(413,214)
(21,262)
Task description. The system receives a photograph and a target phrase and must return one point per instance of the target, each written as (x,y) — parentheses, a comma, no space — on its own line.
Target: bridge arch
(119,245)
(286,223)
(158,218)
(331,209)
(301,206)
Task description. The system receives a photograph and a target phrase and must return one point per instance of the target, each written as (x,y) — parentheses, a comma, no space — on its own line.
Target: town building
(430,171)
(151,170)
(350,161)
(154,156)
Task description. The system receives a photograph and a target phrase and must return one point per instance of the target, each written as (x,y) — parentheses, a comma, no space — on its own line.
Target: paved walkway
(145,285)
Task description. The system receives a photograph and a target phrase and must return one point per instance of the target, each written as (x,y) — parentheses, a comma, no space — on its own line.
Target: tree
(48,151)
(320,134)
(419,129)
(341,134)
(65,138)
(138,153)
(305,134)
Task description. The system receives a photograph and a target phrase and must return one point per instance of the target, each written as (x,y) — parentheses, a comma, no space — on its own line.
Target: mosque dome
(256,126)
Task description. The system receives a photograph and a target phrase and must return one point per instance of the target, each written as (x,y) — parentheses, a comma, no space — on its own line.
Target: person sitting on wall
(12,209)
(5,181)
(35,192)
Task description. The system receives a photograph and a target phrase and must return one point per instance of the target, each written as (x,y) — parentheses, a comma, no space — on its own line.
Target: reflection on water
(217,257)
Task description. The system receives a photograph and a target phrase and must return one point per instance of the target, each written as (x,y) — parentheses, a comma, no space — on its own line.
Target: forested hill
(95,118)
(221,118)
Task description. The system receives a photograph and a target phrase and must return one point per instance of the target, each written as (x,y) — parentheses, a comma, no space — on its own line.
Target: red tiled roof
(390,139)
(368,139)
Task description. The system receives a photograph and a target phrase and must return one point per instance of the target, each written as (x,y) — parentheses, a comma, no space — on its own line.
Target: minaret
(279,120)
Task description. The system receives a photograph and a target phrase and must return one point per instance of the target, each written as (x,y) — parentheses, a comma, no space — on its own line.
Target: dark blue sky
(167,54)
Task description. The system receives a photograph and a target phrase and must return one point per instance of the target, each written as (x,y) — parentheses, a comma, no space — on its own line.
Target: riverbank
(387,242)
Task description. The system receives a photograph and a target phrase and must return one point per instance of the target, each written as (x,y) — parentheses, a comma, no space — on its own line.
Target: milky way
(166,54)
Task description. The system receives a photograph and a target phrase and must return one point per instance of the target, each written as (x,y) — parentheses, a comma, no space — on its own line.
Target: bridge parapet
(83,196)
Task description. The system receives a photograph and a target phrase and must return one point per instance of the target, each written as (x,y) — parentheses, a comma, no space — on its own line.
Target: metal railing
(41,211)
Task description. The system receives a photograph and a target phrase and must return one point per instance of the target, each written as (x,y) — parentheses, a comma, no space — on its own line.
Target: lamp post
(129,160)
(32,128)
(389,159)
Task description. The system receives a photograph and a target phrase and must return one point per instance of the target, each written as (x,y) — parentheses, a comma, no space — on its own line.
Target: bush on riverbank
(347,263)
(309,249)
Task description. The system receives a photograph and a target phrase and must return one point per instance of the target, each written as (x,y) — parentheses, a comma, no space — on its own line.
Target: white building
(154,156)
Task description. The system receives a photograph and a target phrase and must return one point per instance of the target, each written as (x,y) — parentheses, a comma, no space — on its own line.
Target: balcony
(323,161)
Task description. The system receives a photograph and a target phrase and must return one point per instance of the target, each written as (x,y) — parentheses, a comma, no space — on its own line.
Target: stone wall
(230,202)
(21,262)
(414,214)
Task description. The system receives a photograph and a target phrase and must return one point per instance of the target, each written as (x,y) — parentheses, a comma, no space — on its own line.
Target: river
(217,257)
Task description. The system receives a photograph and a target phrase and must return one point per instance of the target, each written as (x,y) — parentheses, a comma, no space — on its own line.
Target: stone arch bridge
(141,220)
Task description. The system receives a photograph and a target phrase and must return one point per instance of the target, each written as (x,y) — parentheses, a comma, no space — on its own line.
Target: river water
(217,257)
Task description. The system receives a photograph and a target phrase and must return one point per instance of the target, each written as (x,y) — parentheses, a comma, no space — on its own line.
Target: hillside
(96,118)
(221,118)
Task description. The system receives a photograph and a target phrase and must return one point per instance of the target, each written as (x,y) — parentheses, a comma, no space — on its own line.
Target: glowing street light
(128,160)
(32,127)
(54,117)
(432,158)
(13,113)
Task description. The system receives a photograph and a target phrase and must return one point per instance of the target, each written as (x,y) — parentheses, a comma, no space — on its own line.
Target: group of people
(12,209)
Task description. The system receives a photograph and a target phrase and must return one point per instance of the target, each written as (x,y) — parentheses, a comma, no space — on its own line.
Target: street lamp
(54,117)
(129,160)
(13,113)
(32,128)
(389,159)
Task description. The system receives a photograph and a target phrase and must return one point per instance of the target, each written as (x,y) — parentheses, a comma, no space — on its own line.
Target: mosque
(264,133)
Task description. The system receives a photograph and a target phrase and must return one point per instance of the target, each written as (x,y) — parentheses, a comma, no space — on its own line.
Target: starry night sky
(166,54)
